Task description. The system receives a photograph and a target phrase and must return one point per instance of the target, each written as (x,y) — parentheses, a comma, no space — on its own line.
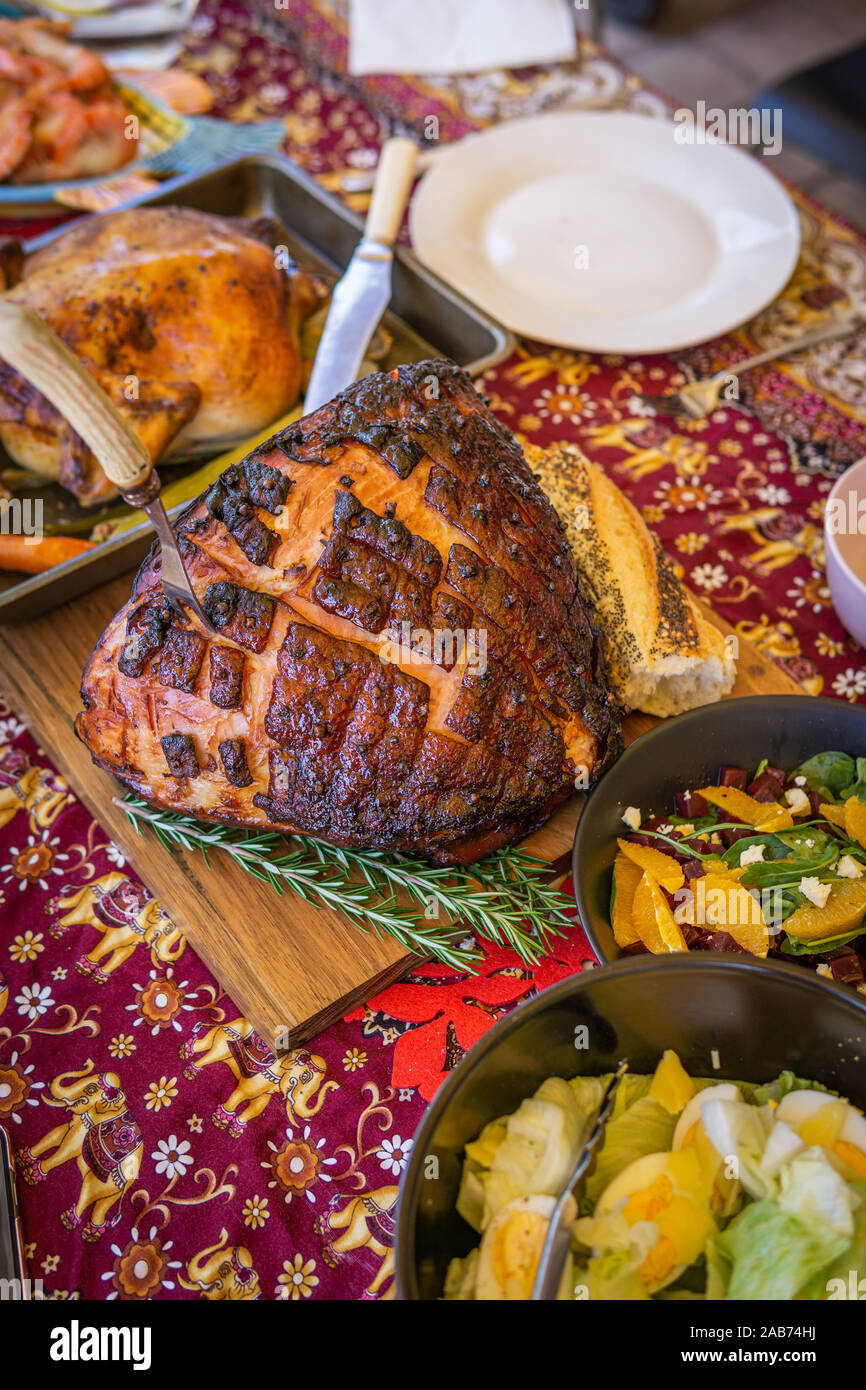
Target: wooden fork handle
(43,359)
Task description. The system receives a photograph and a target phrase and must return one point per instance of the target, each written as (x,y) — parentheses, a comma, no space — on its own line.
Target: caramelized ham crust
(404,657)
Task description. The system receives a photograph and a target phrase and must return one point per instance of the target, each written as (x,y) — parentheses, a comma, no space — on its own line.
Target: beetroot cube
(722,941)
(730,837)
(733,777)
(691,805)
(769,786)
(847,968)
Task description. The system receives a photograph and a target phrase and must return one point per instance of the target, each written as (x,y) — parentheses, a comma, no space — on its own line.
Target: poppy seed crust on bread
(661,654)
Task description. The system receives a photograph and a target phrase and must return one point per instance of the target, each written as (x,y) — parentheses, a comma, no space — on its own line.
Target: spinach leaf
(780,872)
(829,772)
(792,947)
(781,905)
(774,848)
(699,822)
(857,788)
(809,841)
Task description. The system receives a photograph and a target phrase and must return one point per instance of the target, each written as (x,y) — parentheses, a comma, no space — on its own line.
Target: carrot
(36,556)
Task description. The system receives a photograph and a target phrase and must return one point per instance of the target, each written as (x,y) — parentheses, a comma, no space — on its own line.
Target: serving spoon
(35,351)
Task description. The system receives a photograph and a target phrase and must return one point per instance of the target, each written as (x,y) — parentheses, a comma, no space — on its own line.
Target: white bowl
(848,590)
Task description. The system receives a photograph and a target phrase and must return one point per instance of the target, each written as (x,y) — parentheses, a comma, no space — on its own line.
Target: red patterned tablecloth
(164,1152)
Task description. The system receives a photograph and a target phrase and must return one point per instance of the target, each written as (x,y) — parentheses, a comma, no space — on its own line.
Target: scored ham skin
(403,501)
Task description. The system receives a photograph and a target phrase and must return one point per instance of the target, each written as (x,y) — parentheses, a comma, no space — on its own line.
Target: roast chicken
(189,322)
(404,658)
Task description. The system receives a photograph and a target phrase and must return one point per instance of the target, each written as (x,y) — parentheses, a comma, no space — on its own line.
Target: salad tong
(43,359)
(558,1239)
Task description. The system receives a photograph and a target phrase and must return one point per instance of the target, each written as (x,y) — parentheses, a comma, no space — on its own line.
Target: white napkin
(409,36)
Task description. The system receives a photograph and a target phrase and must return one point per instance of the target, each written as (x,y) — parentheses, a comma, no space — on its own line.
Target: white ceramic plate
(599,231)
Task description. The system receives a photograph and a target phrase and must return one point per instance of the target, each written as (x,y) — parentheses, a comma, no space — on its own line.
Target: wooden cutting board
(291,968)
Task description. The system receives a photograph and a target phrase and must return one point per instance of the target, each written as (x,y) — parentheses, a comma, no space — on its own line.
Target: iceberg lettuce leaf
(644,1128)
(772,1253)
(851,1259)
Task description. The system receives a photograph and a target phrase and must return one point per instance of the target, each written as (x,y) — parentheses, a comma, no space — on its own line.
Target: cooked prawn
(60,117)
(16,120)
(81,70)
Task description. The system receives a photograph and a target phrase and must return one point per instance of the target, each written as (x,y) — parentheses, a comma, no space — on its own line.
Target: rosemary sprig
(505,897)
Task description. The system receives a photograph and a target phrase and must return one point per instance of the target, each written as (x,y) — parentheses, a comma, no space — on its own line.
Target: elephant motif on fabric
(299,1076)
(103,1138)
(222,1271)
(40,791)
(648,447)
(126,916)
(366,1222)
(779,538)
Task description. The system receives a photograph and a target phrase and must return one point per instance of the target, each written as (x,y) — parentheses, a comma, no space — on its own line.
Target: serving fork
(32,347)
(548,1276)
(698,398)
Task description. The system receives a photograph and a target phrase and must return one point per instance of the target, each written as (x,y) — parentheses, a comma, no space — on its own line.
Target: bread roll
(662,654)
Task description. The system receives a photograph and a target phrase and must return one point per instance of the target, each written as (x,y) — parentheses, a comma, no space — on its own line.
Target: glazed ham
(404,659)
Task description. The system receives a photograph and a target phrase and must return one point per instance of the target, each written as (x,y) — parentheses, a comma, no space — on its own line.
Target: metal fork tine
(177,607)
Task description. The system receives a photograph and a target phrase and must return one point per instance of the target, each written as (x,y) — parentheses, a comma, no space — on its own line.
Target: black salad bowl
(735,1017)
(685,753)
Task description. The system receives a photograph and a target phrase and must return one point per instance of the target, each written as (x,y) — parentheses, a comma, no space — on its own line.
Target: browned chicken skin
(185,319)
(401,508)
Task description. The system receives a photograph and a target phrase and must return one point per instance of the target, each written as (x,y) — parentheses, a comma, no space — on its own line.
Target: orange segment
(764,815)
(661,867)
(843,911)
(654,920)
(626,877)
(720,904)
(834,814)
(855,819)
(850,1154)
(723,870)
(779,819)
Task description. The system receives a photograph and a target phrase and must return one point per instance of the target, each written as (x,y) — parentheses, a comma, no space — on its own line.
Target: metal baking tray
(426,319)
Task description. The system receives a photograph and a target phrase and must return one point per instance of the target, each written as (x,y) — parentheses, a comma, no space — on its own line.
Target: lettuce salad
(701,1189)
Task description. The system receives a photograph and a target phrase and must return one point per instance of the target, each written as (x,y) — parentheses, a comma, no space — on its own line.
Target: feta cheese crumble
(849,868)
(816,891)
(631,817)
(753,855)
(798,801)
